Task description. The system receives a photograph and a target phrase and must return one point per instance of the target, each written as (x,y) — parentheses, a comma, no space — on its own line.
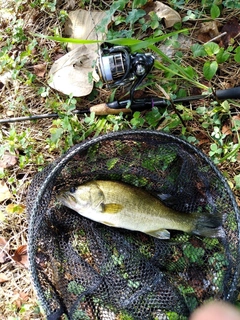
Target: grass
(212,126)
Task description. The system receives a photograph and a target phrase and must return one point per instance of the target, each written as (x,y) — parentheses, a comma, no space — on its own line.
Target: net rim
(62,161)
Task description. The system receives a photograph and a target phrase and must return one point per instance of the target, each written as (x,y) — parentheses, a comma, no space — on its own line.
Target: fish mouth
(65,197)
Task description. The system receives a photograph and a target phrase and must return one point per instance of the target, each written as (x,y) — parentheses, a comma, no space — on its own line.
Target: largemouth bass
(120,205)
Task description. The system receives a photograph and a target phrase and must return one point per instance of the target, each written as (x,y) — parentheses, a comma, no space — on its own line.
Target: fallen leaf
(7,161)
(226,129)
(165,12)
(15,208)
(208,30)
(82,24)
(5,78)
(3,278)
(232,28)
(19,298)
(236,122)
(2,216)
(169,50)
(21,257)
(4,191)
(3,250)
(40,70)
(70,73)
(67,5)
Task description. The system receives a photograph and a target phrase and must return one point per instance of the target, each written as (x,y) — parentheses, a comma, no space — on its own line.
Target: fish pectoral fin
(112,208)
(160,234)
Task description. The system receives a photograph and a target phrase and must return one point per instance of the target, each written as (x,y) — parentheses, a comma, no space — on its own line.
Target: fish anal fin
(108,223)
(160,234)
(112,208)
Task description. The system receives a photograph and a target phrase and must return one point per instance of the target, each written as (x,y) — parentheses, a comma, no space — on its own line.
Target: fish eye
(72,189)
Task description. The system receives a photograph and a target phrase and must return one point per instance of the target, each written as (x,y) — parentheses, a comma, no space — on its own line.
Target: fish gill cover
(82,269)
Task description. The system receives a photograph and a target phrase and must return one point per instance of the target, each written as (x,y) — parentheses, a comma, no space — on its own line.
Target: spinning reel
(116,66)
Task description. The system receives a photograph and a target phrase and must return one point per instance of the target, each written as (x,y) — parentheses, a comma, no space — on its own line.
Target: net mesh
(82,269)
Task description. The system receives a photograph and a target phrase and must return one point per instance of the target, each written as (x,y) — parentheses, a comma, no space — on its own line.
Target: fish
(120,205)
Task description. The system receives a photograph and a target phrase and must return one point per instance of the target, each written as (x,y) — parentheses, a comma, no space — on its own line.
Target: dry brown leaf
(165,12)
(5,78)
(40,69)
(66,5)
(3,278)
(226,129)
(4,191)
(8,160)
(21,257)
(208,30)
(19,298)
(3,250)
(232,28)
(69,74)
(236,121)
(81,24)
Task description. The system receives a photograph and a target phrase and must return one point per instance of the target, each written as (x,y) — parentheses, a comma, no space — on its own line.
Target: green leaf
(135,15)
(138,3)
(211,48)
(222,56)
(237,181)
(111,163)
(190,72)
(198,50)
(56,134)
(210,69)
(237,55)
(214,11)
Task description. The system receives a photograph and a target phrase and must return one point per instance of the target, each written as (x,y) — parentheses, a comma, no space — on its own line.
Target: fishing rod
(128,106)
(116,66)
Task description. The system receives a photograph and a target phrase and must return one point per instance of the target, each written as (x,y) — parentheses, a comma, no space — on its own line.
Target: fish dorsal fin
(112,208)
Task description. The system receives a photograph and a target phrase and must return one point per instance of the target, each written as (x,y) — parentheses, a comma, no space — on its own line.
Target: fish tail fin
(209,226)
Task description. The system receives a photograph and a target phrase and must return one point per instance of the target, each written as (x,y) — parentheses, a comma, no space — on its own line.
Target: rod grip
(102,109)
(233,93)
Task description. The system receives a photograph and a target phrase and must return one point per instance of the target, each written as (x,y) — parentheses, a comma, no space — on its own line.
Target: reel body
(116,66)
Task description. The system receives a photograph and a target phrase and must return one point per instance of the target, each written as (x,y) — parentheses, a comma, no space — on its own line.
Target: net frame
(55,168)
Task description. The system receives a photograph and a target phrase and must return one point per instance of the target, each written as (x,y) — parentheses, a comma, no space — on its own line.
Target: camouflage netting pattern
(84,270)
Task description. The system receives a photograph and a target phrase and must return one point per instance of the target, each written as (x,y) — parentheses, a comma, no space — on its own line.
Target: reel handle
(103,109)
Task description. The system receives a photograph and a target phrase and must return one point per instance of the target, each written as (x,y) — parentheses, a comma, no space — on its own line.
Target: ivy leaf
(135,15)
(210,69)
